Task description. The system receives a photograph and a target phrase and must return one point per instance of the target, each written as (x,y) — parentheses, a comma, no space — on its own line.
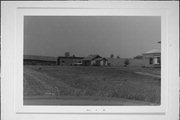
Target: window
(159,60)
(150,60)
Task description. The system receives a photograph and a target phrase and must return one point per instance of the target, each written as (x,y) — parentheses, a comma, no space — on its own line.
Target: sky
(124,36)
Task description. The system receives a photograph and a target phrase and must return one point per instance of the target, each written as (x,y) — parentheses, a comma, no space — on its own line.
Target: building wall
(68,61)
(116,62)
(103,63)
(146,62)
(147,57)
(136,62)
(93,62)
(86,62)
(38,62)
(120,62)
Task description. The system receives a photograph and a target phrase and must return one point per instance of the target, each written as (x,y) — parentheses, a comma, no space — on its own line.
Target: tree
(112,56)
(118,57)
(138,57)
(67,54)
(126,62)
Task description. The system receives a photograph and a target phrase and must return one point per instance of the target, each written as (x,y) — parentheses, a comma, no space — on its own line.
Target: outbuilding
(38,60)
(94,60)
(69,60)
(152,58)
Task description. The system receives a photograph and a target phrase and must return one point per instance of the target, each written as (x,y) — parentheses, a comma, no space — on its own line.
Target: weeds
(93,81)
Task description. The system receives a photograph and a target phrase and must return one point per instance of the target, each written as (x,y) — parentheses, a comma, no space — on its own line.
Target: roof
(91,57)
(42,58)
(153,51)
(70,57)
(101,59)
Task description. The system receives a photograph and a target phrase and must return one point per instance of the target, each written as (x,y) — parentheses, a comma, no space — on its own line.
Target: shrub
(126,62)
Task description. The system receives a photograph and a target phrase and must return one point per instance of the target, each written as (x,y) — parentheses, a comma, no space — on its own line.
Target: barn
(39,60)
(152,58)
(69,61)
(101,62)
(94,60)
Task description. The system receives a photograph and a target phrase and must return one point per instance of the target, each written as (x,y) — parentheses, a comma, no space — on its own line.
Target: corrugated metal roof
(42,58)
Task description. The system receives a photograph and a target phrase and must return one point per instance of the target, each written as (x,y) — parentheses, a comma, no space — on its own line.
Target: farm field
(79,85)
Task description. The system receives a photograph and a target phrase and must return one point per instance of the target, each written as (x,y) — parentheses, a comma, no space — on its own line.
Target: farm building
(152,58)
(121,62)
(148,59)
(94,60)
(116,61)
(69,60)
(38,60)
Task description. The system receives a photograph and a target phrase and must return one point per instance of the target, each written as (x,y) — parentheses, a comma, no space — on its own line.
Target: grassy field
(100,83)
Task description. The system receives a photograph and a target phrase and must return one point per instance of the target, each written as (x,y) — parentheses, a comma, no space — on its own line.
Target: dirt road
(39,100)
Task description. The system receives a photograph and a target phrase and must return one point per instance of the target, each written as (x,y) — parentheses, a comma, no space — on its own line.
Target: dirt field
(119,84)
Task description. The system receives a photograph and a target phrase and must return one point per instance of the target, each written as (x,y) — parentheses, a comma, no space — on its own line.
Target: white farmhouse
(152,58)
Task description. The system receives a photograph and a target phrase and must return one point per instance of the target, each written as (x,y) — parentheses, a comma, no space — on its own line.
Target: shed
(90,60)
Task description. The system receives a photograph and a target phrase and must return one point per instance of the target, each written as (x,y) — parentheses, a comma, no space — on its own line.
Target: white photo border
(21,12)
(14,20)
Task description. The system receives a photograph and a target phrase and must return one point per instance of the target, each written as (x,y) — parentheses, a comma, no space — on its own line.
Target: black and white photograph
(76,60)
(92,60)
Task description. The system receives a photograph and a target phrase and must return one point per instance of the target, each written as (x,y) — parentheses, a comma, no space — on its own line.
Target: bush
(126,62)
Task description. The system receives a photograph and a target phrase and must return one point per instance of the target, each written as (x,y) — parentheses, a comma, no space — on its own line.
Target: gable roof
(70,57)
(99,59)
(153,51)
(91,57)
(42,58)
